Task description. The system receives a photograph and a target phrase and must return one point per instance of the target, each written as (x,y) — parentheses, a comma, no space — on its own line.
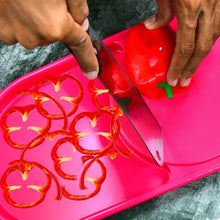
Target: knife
(140,117)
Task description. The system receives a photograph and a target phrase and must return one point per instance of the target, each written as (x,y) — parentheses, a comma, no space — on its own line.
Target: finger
(80,43)
(163,17)
(79,10)
(203,44)
(6,33)
(185,40)
(7,37)
(216,33)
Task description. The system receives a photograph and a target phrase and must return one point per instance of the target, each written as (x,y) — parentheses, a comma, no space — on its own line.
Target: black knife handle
(97,56)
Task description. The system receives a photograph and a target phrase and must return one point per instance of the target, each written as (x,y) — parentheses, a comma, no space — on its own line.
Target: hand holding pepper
(36,23)
(197,30)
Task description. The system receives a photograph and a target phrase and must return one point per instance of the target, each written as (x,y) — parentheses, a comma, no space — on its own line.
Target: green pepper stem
(123,103)
(167,88)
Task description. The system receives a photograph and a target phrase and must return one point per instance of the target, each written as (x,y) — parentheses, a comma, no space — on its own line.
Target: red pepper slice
(114,128)
(95,181)
(59,160)
(40,98)
(95,92)
(57,82)
(24,167)
(40,139)
(90,161)
(93,117)
(24,112)
(111,136)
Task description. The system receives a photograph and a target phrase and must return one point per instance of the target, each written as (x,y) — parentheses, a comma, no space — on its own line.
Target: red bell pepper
(148,56)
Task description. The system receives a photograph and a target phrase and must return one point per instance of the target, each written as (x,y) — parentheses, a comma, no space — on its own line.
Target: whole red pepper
(148,56)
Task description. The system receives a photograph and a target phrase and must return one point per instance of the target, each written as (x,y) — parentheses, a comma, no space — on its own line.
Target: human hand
(36,23)
(197,29)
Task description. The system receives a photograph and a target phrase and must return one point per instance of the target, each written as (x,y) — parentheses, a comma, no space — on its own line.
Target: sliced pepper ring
(95,92)
(40,139)
(24,112)
(57,82)
(24,168)
(93,117)
(114,128)
(58,160)
(40,98)
(95,181)
(90,161)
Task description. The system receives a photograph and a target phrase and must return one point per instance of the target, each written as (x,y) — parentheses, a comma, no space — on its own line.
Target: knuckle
(8,37)
(85,11)
(53,30)
(187,49)
(80,43)
(216,35)
(80,17)
(192,5)
(189,72)
(213,2)
(28,46)
(203,49)
(29,43)
(54,34)
(165,14)
(9,42)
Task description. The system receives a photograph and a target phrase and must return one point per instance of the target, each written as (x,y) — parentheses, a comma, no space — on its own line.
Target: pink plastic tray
(190,123)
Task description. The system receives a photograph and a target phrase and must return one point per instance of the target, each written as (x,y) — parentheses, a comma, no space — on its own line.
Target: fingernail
(150,21)
(85,24)
(91,75)
(186,82)
(174,82)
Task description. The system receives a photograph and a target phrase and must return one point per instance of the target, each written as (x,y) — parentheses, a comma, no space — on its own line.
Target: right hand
(198,27)
(36,23)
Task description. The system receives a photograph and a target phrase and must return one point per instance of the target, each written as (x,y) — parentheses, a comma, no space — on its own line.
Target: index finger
(79,42)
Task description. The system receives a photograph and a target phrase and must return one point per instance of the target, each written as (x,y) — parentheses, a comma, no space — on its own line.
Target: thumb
(163,17)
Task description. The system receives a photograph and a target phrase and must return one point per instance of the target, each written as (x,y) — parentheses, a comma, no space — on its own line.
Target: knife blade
(147,127)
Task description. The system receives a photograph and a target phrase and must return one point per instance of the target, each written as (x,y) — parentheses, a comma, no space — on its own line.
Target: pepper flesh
(95,92)
(57,82)
(24,112)
(95,181)
(24,168)
(93,117)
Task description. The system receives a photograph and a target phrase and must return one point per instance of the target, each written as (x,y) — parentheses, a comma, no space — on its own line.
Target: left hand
(197,30)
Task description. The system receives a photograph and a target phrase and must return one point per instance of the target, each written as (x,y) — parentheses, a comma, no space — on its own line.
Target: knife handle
(97,56)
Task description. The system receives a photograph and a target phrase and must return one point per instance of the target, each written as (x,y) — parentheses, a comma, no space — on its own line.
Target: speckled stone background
(199,200)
